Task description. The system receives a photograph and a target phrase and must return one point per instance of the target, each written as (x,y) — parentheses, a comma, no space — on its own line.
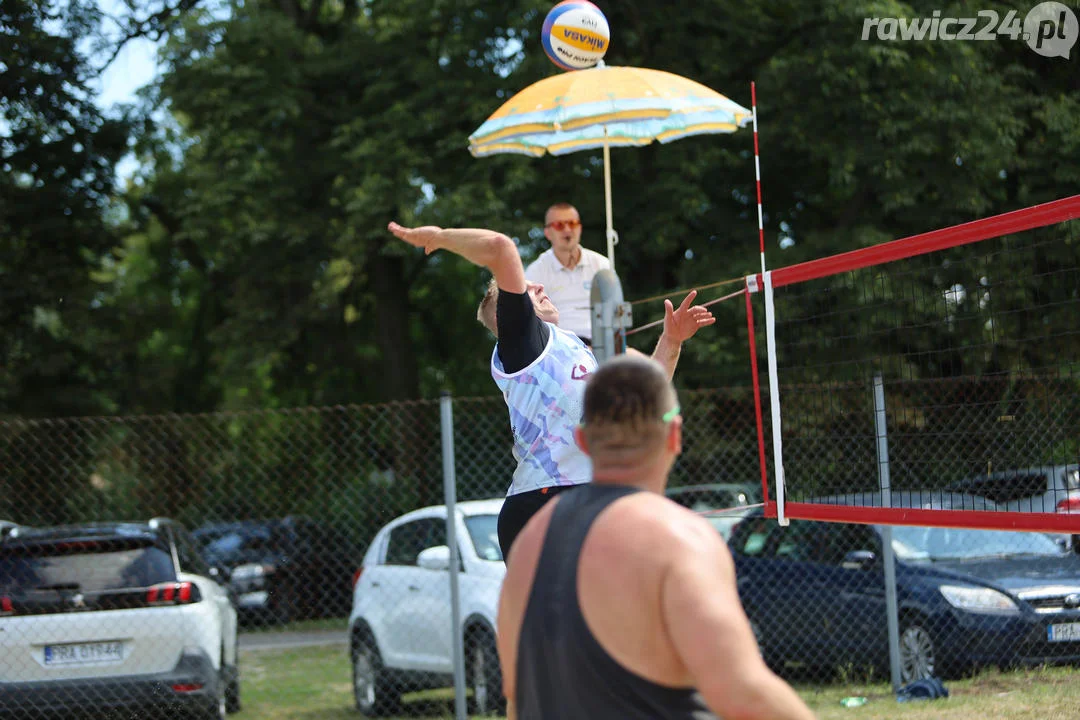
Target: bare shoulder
(670,525)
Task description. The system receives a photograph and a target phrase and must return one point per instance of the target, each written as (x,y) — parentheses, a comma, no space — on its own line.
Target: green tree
(57,153)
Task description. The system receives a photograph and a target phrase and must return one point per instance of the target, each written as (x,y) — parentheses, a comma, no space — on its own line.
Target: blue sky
(134,67)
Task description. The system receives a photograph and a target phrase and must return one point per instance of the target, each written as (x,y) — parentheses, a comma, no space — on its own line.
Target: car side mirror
(434,558)
(221,574)
(859,560)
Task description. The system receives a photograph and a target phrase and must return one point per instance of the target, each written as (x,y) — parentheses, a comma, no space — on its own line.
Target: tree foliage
(250,266)
(57,153)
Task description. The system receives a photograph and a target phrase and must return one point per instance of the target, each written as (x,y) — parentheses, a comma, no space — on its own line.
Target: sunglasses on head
(564,224)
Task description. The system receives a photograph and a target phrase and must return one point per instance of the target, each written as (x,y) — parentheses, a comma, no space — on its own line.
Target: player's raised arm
(711,634)
(486,248)
(680,324)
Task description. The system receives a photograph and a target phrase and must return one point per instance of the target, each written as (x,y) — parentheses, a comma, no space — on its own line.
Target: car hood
(1018,573)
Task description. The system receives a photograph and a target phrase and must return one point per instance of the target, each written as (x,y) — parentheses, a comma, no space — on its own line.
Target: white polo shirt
(570,290)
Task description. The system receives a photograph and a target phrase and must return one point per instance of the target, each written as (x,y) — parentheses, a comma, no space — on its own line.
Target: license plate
(1064,633)
(96,653)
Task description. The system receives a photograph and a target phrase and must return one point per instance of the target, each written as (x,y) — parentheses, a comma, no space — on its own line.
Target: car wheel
(374,695)
(484,673)
(232,691)
(918,654)
(283,605)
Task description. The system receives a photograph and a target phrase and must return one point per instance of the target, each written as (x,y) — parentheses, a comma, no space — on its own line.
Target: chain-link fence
(279,516)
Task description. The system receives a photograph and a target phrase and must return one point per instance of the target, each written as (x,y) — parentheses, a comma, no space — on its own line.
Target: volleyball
(575,35)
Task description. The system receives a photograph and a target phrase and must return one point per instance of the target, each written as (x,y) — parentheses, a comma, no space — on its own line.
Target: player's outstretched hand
(683,322)
(421,237)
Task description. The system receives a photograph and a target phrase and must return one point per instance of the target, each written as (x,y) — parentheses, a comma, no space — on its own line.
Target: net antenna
(967,339)
(770,335)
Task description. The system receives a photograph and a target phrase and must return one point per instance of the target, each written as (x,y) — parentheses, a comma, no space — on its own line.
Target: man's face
(545,309)
(562,228)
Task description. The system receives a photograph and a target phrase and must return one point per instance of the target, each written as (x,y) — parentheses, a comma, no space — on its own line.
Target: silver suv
(120,618)
(1047,488)
(1042,489)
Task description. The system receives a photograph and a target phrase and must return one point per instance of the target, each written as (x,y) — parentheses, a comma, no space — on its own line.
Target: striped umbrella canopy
(604,107)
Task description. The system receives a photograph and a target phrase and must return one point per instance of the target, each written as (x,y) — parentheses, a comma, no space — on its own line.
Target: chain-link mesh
(974,350)
(926,389)
(277,511)
(231,520)
(337,513)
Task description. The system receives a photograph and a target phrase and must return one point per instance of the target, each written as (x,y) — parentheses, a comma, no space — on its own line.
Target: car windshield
(484,531)
(931,543)
(90,567)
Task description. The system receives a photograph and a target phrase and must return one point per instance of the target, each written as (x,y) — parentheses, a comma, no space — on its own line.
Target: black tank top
(562,672)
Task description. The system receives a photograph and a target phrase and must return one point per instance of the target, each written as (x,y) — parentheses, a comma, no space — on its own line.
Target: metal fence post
(887,553)
(446,412)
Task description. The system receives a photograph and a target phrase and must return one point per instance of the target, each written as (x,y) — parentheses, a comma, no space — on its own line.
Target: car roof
(912,499)
(468,508)
(86,531)
(288,521)
(1033,470)
(711,487)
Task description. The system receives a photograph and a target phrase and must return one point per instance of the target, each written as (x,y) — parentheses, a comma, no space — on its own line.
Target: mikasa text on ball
(575,35)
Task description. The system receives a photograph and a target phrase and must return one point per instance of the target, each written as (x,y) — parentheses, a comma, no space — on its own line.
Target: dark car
(815,594)
(123,617)
(284,569)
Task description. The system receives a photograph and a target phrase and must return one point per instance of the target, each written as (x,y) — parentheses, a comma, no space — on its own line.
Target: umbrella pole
(612,236)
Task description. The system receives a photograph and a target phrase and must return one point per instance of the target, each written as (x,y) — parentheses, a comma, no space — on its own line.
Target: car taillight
(180,593)
(356,576)
(6,608)
(1069,505)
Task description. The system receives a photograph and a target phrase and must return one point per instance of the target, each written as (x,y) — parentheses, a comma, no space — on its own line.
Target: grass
(315,682)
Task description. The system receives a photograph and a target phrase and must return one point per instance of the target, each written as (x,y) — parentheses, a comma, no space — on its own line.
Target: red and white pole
(757,175)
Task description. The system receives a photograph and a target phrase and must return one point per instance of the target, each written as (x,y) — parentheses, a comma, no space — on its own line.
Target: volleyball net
(932,380)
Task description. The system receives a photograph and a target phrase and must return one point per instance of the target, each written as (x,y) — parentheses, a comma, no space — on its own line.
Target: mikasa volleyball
(575,35)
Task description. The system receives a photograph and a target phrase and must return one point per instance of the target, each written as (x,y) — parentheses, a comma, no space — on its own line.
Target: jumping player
(540,368)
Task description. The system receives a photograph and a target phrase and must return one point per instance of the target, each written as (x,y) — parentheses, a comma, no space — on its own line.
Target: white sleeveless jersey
(546,400)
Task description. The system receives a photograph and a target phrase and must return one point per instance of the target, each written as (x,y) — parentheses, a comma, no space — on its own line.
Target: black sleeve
(522,335)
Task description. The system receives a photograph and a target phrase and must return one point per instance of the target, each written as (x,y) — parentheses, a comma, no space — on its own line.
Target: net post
(611,316)
(752,286)
(774,396)
(612,236)
(446,422)
(889,557)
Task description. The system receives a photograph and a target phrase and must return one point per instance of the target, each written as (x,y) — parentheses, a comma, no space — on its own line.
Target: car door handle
(375,584)
(414,588)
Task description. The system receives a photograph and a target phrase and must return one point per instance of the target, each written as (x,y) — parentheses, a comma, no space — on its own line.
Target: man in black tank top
(621,604)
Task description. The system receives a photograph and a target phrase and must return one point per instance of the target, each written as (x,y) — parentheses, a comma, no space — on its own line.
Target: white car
(113,617)
(401,623)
